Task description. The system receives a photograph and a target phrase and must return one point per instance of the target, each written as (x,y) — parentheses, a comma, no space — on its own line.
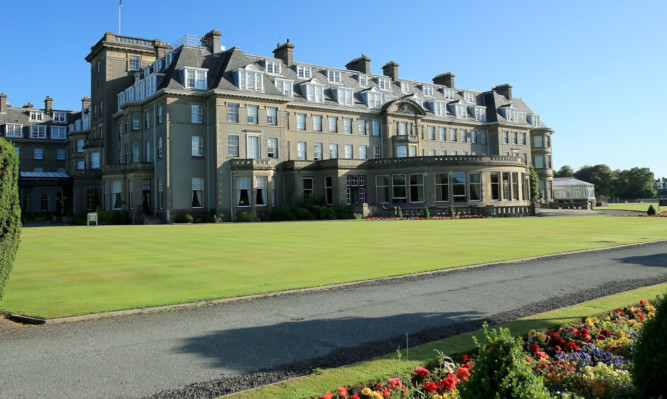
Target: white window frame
(195,78)
(249,78)
(334,77)
(303,72)
(197,114)
(38,153)
(271,116)
(317,151)
(38,132)
(384,84)
(14,130)
(272,147)
(133,63)
(345,96)
(285,87)
(198,146)
(198,192)
(272,67)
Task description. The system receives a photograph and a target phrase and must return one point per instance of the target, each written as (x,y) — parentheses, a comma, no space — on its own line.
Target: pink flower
(354,397)
(421,372)
(394,382)
(541,355)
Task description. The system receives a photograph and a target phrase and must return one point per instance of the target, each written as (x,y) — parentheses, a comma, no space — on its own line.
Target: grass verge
(68,271)
(643,207)
(388,366)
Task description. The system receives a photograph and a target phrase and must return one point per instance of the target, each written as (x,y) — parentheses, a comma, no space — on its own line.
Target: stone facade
(194,128)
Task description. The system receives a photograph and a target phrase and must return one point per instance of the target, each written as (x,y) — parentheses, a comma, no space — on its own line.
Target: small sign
(92,218)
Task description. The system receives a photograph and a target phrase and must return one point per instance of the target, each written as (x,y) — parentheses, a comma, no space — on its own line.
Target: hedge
(10,211)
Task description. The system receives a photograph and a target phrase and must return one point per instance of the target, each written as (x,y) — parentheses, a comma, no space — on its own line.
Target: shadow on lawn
(305,345)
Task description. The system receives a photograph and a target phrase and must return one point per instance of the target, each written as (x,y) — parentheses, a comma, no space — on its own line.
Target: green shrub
(501,370)
(282,212)
(651,210)
(343,212)
(358,216)
(399,212)
(184,218)
(10,211)
(246,216)
(649,358)
(426,213)
(450,212)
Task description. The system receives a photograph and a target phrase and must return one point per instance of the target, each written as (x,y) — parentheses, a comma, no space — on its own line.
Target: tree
(601,176)
(534,184)
(636,183)
(10,211)
(564,171)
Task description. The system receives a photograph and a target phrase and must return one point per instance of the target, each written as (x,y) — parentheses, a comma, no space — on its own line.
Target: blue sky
(593,69)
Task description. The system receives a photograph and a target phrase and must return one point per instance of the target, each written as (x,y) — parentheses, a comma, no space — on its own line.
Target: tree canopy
(626,184)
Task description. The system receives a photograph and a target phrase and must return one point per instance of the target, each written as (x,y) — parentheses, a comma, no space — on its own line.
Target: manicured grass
(631,207)
(388,366)
(63,271)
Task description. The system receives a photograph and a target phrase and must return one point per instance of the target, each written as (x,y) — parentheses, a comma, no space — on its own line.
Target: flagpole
(120,4)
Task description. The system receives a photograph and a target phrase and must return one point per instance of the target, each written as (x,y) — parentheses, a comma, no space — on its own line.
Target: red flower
(464,358)
(354,397)
(533,347)
(604,333)
(541,355)
(430,387)
(642,302)
(641,316)
(448,383)
(421,372)
(466,366)
(527,360)
(463,373)
(557,348)
(327,395)
(342,391)
(571,346)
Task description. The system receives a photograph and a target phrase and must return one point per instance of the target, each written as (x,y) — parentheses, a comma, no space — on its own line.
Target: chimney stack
(3,103)
(212,41)
(161,48)
(446,79)
(504,90)
(48,104)
(85,102)
(361,64)
(391,69)
(285,52)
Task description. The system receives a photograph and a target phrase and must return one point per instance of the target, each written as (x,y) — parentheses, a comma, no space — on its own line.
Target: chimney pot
(504,90)
(3,103)
(285,52)
(391,69)
(361,64)
(445,79)
(48,104)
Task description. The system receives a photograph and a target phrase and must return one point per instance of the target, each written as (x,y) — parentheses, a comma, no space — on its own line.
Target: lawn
(65,271)
(631,207)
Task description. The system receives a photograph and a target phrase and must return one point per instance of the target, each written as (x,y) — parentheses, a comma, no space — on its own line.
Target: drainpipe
(231,193)
(167,167)
(155,197)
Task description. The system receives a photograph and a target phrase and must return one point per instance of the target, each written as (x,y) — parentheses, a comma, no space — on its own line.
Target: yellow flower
(649,308)
(607,323)
(367,392)
(541,337)
(377,395)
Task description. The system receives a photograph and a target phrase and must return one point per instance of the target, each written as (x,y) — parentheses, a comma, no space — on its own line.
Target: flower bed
(591,359)
(429,218)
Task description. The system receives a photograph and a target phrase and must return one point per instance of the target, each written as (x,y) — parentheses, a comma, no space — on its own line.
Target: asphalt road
(135,356)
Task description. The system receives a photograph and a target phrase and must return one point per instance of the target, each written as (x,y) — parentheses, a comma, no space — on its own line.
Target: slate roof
(21,116)
(221,67)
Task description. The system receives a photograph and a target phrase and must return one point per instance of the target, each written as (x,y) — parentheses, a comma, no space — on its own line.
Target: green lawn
(631,207)
(64,271)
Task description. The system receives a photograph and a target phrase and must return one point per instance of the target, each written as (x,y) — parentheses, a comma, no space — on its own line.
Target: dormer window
(167,60)
(480,114)
(448,94)
(60,117)
(36,116)
(151,84)
(384,84)
(195,78)
(535,120)
(249,78)
(13,130)
(373,98)
(439,108)
(313,91)
(418,99)
(522,117)
(303,72)
(363,80)
(468,96)
(428,90)
(510,113)
(344,96)
(285,87)
(405,87)
(460,110)
(272,67)
(333,76)
(158,65)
